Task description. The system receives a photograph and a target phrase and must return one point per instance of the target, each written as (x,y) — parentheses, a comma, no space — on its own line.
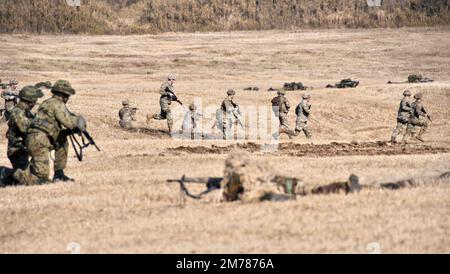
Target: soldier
(403,115)
(281,107)
(218,123)
(303,111)
(18,123)
(191,120)
(48,132)
(126,115)
(10,96)
(167,92)
(231,114)
(417,119)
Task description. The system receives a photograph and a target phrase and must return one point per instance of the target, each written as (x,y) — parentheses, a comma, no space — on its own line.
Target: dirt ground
(121,203)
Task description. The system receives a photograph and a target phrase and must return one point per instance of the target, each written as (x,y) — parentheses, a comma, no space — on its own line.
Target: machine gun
(211,184)
(86,141)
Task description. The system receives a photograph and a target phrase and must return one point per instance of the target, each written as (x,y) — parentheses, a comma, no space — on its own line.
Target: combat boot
(419,136)
(59,176)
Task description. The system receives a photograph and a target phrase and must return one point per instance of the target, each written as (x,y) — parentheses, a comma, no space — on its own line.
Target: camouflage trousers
(302,126)
(9,105)
(165,112)
(413,123)
(125,124)
(399,129)
(39,147)
(18,156)
(227,128)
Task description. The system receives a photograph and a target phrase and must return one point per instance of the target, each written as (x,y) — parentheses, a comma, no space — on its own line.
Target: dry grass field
(121,202)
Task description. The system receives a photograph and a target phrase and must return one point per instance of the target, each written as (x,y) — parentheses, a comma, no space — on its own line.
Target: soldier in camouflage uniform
(48,132)
(18,123)
(231,114)
(403,115)
(190,121)
(418,118)
(167,92)
(126,115)
(303,111)
(10,97)
(281,107)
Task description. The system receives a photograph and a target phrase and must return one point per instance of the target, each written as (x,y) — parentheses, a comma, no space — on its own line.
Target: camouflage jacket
(282,103)
(18,125)
(302,111)
(167,90)
(10,94)
(126,114)
(418,110)
(52,117)
(404,110)
(228,105)
(190,120)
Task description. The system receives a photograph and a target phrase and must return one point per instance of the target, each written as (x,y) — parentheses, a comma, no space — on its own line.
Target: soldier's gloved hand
(81,123)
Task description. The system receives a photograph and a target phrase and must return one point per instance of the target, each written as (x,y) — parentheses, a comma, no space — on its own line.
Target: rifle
(83,144)
(211,184)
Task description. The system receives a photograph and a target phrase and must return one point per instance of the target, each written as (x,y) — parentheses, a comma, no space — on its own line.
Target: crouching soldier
(49,131)
(19,123)
(126,115)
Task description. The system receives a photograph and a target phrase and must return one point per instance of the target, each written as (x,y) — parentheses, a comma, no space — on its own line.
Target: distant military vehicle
(294,86)
(345,83)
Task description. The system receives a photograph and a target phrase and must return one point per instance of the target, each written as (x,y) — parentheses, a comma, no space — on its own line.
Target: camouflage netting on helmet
(249,180)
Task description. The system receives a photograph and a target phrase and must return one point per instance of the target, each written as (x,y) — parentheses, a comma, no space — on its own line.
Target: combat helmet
(306,96)
(171,77)
(407,93)
(125,102)
(418,95)
(281,92)
(231,92)
(192,107)
(30,93)
(64,87)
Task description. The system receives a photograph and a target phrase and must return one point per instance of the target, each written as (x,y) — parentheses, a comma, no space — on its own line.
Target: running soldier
(403,115)
(418,118)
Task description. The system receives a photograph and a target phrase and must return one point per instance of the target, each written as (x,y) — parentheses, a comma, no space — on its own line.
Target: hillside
(155,16)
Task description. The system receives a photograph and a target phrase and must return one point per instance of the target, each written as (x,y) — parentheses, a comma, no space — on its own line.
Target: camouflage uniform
(10,96)
(303,111)
(219,119)
(281,107)
(230,110)
(167,96)
(190,121)
(403,115)
(48,132)
(19,123)
(418,119)
(126,115)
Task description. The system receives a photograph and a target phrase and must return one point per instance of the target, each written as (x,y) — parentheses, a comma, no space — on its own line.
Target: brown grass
(121,203)
(155,16)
